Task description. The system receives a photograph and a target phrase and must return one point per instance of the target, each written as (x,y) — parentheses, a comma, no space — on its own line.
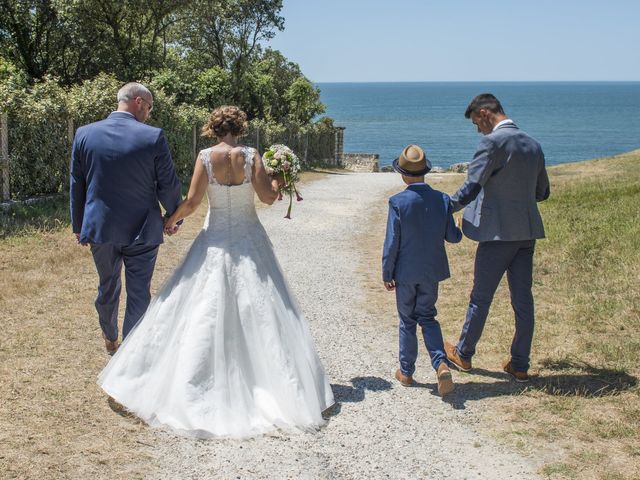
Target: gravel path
(378,429)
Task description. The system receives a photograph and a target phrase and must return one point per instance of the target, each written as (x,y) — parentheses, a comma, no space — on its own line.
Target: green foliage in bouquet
(280,160)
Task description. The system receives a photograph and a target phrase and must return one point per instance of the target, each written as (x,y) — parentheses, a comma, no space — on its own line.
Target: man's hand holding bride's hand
(77,235)
(170,228)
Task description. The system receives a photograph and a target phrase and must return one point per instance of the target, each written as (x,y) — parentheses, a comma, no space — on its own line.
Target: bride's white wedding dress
(223,349)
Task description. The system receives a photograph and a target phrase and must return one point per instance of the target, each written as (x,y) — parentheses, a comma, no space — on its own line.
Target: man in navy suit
(506,179)
(414,260)
(120,170)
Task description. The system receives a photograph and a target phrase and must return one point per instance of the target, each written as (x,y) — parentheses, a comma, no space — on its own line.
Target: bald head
(136,99)
(132,90)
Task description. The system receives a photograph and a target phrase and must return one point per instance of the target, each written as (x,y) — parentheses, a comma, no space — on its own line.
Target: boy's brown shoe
(521,377)
(452,355)
(445,382)
(405,380)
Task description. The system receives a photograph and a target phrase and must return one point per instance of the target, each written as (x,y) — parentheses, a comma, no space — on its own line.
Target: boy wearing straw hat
(414,261)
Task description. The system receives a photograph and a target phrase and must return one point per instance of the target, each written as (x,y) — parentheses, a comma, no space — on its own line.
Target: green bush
(38,137)
(39,128)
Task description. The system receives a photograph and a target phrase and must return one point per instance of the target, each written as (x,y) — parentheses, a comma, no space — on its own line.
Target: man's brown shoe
(452,355)
(445,382)
(111,346)
(521,377)
(405,380)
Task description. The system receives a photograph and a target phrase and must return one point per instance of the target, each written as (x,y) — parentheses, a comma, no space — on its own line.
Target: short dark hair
(484,100)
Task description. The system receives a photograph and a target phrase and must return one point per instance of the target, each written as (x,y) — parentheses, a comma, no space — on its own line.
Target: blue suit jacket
(120,169)
(505,180)
(420,220)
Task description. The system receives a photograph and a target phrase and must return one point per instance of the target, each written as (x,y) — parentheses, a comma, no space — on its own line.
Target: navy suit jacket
(120,169)
(420,220)
(505,180)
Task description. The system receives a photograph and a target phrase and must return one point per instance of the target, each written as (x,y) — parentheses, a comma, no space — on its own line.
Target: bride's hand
(277,182)
(279,177)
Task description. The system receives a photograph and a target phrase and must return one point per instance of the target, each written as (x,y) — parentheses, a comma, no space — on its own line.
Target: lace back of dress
(229,203)
(247,153)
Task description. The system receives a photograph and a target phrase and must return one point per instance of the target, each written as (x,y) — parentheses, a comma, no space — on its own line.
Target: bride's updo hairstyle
(223,120)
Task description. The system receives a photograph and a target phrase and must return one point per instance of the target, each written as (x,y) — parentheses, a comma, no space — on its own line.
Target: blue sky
(462,40)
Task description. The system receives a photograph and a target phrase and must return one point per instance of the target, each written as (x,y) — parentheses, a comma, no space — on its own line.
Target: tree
(30,33)
(282,73)
(213,88)
(130,37)
(199,52)
(303,100)
(77,39)
(227,34)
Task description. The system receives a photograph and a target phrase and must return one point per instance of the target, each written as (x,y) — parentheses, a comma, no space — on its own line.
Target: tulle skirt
(222,350)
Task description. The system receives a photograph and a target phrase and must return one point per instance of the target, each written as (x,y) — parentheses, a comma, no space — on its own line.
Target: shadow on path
(355,392)
(568,378)
(580,379)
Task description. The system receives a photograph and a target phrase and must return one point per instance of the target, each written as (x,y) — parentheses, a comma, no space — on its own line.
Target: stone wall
(361,162)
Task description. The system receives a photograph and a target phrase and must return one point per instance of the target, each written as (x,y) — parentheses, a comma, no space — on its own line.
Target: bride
(223,349)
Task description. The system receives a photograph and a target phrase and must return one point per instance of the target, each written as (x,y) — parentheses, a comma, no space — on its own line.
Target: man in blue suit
(414,260)
(506,179)
(120,169)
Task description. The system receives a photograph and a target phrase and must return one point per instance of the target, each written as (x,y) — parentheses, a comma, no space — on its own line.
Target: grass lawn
(580,416)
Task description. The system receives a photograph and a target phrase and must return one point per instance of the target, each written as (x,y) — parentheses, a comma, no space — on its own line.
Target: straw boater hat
(412,162)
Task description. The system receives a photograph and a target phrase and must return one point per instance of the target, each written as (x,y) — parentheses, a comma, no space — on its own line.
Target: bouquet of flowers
(280,159)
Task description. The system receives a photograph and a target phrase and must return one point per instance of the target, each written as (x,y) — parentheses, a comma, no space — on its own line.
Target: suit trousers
(139,262)
(493,259)
(417,306)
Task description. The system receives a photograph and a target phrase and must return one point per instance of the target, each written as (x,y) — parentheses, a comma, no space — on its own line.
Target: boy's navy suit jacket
(420,220)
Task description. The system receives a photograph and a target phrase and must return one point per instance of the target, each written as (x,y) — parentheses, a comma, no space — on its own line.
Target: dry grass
(55,422)
(582,412)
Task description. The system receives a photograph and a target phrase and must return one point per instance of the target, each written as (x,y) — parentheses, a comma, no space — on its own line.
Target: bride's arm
(198,187)
(265,185)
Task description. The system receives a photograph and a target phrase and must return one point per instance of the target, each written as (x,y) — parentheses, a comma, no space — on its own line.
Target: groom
(505,180)
(120,169)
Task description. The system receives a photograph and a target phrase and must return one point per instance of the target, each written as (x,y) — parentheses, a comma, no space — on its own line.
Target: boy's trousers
(417,306)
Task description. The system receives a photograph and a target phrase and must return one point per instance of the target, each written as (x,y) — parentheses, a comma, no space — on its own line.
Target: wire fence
(35,150)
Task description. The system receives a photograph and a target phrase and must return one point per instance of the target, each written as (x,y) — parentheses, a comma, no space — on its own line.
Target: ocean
(572,121)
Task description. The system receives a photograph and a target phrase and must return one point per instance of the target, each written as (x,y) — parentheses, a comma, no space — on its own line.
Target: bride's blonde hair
(225,119)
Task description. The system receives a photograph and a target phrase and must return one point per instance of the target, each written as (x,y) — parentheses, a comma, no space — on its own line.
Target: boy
(414,260)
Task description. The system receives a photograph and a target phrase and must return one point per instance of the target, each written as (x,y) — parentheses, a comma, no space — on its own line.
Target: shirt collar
(506,121)
(126,113)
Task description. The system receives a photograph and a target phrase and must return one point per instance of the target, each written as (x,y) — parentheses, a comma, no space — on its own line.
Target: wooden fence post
(70,131)
(194,142)
(4,156)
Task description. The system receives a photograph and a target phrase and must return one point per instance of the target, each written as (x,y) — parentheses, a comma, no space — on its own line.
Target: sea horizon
(474,81)
(572,120)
